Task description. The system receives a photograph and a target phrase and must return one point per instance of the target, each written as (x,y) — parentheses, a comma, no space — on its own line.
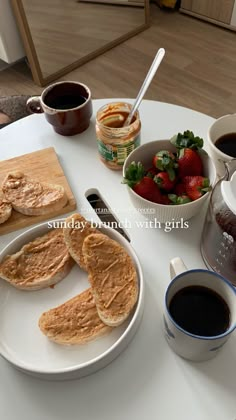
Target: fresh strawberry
(179,199)
(196,186)
(145,187)
(163,181)
(165,161)
(148,189)
(151,172)
(141,184)
(189,163)
(179,188)
(165,199)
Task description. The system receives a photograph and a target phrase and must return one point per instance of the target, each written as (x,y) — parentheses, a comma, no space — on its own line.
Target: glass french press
(218,241)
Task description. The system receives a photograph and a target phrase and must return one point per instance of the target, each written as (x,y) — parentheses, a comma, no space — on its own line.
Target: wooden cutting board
(42,165)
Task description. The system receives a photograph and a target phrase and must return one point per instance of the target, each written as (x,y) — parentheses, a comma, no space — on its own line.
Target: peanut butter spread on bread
(26,193)
(112,276)
(74,322)
(5,209)
(4,204)
(76,230)
(45,260)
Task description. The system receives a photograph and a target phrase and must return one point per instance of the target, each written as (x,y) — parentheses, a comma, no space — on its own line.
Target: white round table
(147,381)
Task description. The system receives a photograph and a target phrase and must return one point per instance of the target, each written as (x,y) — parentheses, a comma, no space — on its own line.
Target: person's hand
(4,119)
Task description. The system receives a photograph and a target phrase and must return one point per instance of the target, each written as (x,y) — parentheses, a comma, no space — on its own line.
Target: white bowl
(161,212)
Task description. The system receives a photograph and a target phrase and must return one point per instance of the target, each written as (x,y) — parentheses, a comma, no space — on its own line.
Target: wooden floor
(86,27)
(198,71)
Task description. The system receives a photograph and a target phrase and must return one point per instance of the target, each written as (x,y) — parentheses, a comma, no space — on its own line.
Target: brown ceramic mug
(67,106)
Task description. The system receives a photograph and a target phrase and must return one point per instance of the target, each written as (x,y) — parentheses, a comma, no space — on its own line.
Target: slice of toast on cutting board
(44,166)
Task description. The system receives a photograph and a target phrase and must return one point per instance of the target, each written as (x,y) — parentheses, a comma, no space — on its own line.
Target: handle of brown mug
(33,105)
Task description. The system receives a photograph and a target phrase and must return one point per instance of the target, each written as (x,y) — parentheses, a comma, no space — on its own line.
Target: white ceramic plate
(23,344)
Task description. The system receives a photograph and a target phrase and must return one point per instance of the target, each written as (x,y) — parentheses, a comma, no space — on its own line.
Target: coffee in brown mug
(67,107)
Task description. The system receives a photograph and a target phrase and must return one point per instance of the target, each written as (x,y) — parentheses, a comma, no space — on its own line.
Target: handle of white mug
(177,266)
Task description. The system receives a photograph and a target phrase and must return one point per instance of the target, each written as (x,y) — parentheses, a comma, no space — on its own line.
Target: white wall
(11,47)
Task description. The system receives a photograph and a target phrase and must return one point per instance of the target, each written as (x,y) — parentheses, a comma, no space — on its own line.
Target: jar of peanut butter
(116,142)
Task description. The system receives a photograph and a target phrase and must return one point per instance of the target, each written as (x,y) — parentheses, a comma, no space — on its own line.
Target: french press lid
(228,189)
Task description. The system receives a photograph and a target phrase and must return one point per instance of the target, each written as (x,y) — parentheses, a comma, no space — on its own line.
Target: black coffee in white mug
(227,144)
(200,312)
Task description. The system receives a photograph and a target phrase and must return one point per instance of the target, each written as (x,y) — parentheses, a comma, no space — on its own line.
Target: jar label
(118,153)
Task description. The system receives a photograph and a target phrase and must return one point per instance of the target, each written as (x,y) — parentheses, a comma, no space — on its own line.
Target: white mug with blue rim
(200,312)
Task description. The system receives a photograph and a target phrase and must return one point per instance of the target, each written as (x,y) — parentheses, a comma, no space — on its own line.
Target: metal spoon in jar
(155,64)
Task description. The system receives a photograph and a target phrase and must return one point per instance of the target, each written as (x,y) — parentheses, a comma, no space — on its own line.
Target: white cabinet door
(3,55)
(233,19)
(11,47)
